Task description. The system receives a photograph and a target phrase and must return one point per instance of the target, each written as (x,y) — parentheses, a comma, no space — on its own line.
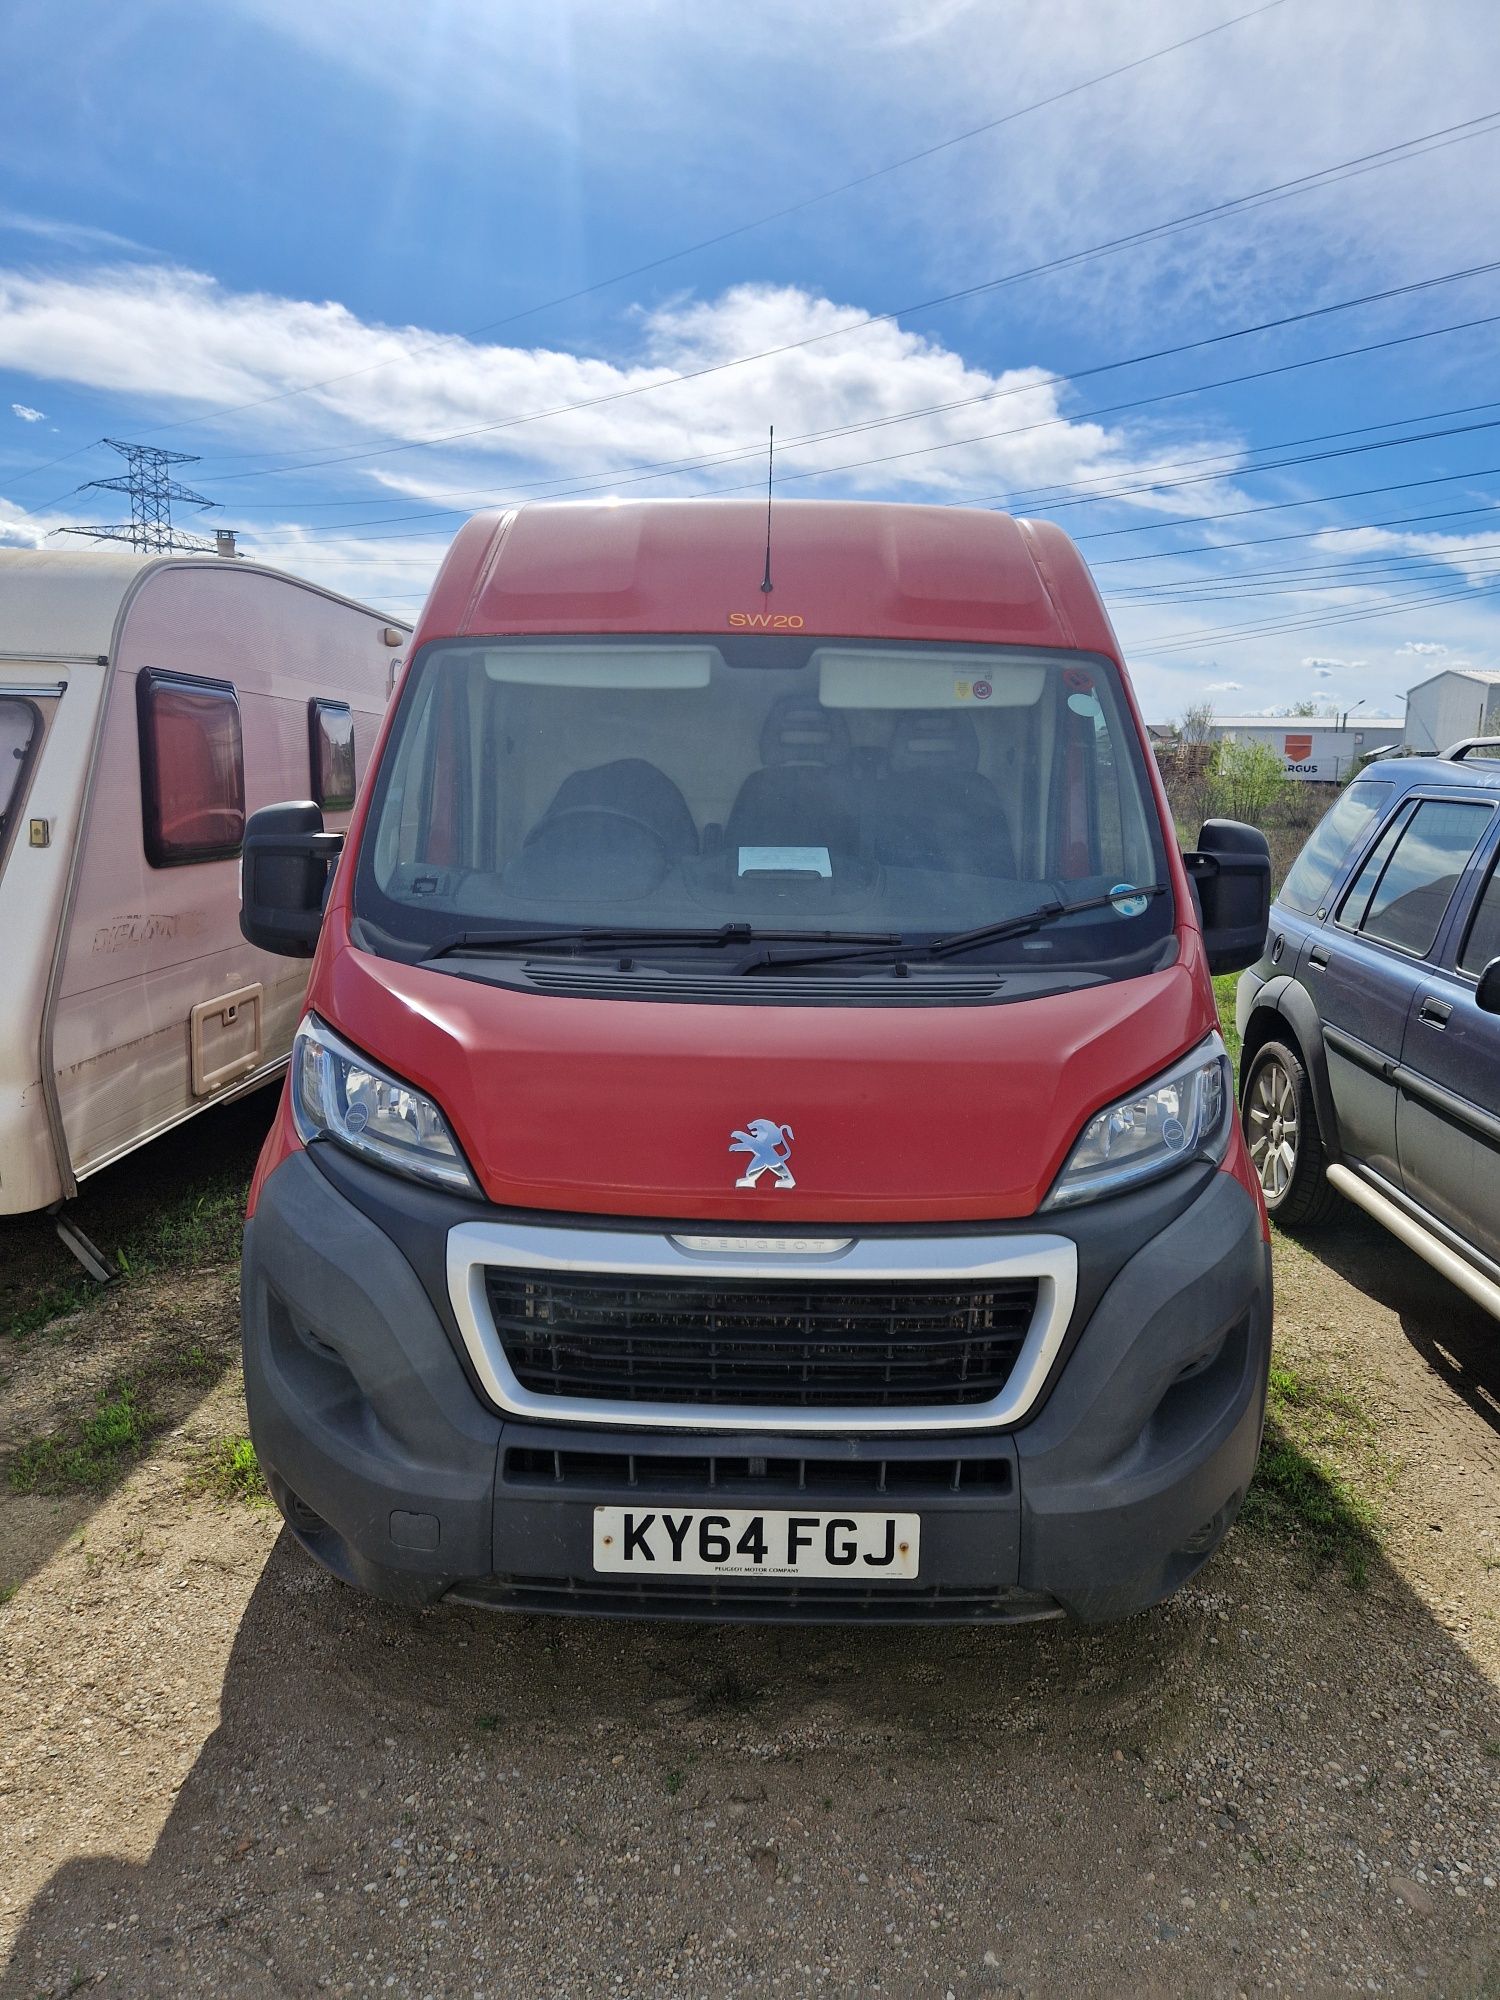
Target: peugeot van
(759,1145)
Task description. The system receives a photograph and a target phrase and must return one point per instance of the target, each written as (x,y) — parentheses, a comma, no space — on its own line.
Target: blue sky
(343,214)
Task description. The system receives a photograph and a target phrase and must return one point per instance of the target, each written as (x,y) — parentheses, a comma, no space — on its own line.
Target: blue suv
(1371,1026)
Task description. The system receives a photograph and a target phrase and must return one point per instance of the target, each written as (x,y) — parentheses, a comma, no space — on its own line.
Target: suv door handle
(1434,1013)
(1317,959)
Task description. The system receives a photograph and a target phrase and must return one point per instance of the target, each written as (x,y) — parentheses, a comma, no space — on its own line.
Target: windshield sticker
(972,690)
(786,861)
(1127,900)
(1077,678)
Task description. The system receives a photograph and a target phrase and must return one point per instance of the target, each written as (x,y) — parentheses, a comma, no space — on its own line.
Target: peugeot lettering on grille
(770,1148)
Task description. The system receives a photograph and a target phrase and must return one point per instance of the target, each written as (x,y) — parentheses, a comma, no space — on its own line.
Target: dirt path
(222,1773)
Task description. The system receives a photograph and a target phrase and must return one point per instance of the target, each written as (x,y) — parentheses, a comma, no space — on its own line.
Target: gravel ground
(222,1773)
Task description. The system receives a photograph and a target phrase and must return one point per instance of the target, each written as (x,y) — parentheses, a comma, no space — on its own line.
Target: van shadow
(1457,1339)
(460,1802)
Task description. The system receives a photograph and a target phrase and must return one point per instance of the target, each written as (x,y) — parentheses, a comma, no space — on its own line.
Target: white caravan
(147,704)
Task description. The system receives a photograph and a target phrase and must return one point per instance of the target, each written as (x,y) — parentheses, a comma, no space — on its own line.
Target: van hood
(887,1114)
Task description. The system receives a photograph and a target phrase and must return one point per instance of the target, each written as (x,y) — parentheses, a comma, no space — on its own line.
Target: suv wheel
(1286,1147)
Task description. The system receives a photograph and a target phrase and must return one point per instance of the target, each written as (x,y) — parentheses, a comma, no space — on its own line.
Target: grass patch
(201,1228)
(1317,1440)
(112,1438)
(228,1470)
(176,1205)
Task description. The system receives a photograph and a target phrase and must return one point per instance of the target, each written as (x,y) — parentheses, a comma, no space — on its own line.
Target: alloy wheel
(1273,1128)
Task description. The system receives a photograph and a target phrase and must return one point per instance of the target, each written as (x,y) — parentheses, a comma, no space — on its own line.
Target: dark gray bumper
(394,1473)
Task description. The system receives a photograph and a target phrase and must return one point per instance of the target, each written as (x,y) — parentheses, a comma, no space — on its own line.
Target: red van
(759,1145)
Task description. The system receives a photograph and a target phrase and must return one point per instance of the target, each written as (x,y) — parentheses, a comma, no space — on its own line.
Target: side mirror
(285,866)
(1230,870)
(1487,993)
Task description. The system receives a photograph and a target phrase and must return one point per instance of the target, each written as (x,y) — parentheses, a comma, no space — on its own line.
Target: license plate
(734,1541)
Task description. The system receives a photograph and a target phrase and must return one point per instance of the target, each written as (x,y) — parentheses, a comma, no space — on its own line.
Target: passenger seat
(933,809)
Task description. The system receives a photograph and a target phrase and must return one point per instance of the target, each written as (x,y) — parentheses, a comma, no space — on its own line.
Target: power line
(606,484)
(611,482)
(1364,163)
(1080,493)
(1274,506)
(46,464)
(609,478)
(1237,635)
(742,228)
(1396,570)
(1300,535)
(1053,499)
(1365,569)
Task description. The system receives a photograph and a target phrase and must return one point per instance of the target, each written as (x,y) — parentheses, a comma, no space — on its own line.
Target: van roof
(63,604)
(851,568)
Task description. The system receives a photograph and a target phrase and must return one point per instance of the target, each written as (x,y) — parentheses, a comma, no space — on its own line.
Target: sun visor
(851,679)
(644,666)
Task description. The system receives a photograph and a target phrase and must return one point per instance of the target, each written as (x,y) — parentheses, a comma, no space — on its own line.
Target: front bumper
(395,1473)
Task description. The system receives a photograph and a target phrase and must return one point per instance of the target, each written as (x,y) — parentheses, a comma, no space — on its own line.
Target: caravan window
(330,728)
(18,725)
(192,768)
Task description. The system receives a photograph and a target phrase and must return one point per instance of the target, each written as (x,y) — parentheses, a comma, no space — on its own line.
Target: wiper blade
(996,933)
(1033,920)
(602,939)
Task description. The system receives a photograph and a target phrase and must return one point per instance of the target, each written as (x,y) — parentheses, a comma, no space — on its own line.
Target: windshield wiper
(600,939)
(1033,920)
(996,933)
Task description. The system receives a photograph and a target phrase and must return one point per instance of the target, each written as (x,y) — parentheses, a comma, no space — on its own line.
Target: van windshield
(802,786)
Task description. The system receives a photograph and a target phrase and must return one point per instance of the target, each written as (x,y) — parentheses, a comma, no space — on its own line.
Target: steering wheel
(549,822)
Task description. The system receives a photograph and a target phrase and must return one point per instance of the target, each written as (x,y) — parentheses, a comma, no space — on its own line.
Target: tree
(1246,780)
(1197,725)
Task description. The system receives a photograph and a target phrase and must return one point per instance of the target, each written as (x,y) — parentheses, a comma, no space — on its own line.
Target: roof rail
(1457,752)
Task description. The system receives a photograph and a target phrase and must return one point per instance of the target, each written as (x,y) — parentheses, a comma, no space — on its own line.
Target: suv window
(1334,839)
(1402,892)
(1483,942)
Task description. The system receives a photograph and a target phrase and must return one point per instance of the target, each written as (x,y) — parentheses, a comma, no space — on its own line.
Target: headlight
(339,1094)
(1181,1116)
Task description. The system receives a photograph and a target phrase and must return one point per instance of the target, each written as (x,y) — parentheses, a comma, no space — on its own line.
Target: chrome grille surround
(633,1256)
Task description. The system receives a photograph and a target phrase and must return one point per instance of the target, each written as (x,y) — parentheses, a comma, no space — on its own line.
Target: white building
(1313,747)
(1459,702)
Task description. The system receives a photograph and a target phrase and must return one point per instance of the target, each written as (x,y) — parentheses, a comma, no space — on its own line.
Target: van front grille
(716,1341)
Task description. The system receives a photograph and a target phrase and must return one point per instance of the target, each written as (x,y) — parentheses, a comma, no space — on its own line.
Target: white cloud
(27,415)
(1328,663)
(64,235)
(1423,646)
(1475,556)
(20,530)
(1223,687)
(180,340)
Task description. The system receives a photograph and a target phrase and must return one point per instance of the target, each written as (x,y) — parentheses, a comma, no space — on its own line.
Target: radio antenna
(765,583)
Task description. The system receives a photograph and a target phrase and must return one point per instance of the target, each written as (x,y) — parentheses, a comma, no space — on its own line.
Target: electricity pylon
(152,492)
